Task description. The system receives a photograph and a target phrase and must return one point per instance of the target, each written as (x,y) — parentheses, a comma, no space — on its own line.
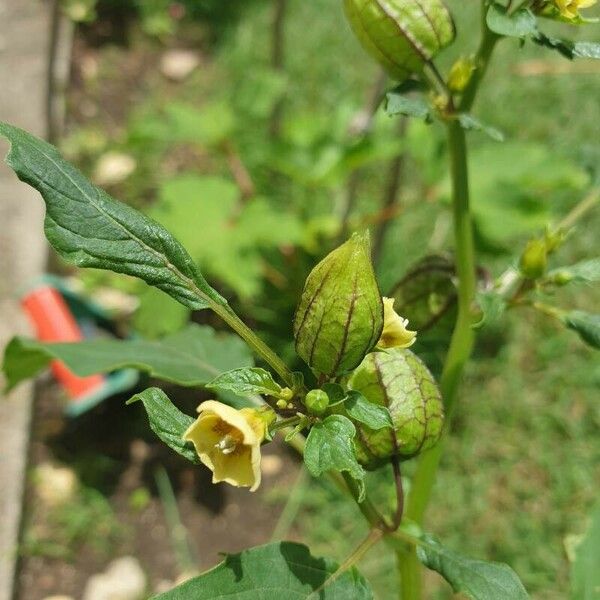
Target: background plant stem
(463,337)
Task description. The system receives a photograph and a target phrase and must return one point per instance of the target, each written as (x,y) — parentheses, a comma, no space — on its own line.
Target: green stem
(463,337)
(482,60)
(374,537)
(227,314)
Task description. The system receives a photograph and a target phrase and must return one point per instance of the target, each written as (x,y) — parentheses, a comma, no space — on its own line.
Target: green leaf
(587,271)
(585,575)
(90,229)
(520,23)
(476,579)
(191,357)
(469,122)
(568,48)
(492,306)
(152,302)
(329,448)
(248,380)
(587,325)
(399,104)
(279,570)
(167,421)
(231,255)
(372,415)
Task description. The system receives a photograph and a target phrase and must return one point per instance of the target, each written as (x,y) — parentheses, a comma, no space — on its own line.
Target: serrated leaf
(167,421)
(568,48)
(399,104)
(248,380)
(587,325)
(587,271)
(520,23)
(476,579)
(585,575)
(279,570)
(469,122)
(191,357)
(372,415)
(329,448)
(90,229)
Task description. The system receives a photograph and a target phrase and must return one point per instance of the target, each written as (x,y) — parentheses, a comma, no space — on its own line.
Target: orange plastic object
(53,322)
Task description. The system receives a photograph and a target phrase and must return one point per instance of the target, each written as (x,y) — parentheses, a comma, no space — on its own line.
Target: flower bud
(400,381)
(401,35)
(340,315)
(316,402)
(460,74)
(534,260)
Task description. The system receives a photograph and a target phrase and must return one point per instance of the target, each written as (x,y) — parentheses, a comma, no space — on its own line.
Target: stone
(123,579)
(113,168)
(177,65)
(55,485)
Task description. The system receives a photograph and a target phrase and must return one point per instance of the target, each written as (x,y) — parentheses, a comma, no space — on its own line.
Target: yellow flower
(228,442)
(395,333)
(569,9)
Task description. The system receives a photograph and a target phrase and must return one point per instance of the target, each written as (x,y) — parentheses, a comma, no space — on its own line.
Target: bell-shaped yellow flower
(228,442)
(395,333)
(569,9)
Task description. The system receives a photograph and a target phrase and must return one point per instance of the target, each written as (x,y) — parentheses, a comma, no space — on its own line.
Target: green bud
(401,35)
(316,402)
(400,381)
(534,260)
(460,74)
(340,315)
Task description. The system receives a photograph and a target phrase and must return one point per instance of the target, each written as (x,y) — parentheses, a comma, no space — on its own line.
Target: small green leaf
(520,23)
(279,570)
(191,357)
(372,415)
(476,579)
(587,271)
(167,421)
(329,448)
(399,104)
(247,380)
(587,325)
(585,575)
(90,229)
(469,122)
(492,306)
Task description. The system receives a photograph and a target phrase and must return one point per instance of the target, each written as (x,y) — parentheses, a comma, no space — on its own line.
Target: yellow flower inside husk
(395,333)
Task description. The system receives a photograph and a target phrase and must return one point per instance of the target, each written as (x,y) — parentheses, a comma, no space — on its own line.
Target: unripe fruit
(400,381)
(316,402)
(401,35)
(340,315)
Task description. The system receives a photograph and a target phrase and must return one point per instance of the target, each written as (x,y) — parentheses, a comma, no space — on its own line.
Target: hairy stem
(270,357)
